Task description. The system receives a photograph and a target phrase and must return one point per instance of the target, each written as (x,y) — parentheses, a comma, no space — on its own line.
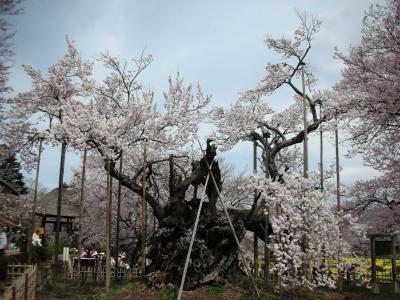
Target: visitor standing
(36,240)
(3,241)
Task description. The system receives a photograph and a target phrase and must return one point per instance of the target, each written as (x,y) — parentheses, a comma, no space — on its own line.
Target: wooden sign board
(383,248)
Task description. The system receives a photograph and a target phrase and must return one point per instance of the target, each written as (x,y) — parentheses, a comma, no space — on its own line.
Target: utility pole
(34,201)
(59,202)
(118,219)
(81,210)
(144,211)
(255,244)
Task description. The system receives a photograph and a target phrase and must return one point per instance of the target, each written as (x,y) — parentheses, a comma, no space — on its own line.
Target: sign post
(383,245)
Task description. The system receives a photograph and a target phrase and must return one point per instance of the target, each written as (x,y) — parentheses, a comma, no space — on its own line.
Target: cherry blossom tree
(126,127)
(305,228)
(302,211)
(130,218)
(120,115)
(95,213)
(32,115)
(250,118)
(369,104)
(19,206)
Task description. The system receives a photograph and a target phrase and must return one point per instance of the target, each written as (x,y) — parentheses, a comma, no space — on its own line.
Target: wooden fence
(94,274)
(381,277)
(23,283)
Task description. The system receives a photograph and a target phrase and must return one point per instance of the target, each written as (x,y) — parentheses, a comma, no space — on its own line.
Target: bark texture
(215,253)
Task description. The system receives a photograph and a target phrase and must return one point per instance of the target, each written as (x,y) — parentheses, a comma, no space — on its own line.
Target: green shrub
(40,254)
(52,248)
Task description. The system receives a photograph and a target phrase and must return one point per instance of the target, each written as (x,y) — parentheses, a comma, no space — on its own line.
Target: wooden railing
(23,283)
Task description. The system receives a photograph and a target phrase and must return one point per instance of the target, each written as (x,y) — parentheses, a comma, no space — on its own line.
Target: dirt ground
(138,290)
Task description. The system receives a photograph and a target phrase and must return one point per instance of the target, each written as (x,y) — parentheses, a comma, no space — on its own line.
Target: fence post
(396,289)
(14,293)
(26,284)
(375,286)
(34,282)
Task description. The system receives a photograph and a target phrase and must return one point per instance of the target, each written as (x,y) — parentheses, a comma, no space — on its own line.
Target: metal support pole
(232,228)
(34,201)
(192,239)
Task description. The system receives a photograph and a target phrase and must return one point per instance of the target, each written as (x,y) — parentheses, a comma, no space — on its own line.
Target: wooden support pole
(118,219)
(59,202)
(396,289)
(375,286)
(305,163)
(305,142)
(81,200)
(26,285)
(321,152)
(338,204)
(266,250)
(35,193)
(108,228)
(266,233)
(337,170)
(144,212)
(255,238)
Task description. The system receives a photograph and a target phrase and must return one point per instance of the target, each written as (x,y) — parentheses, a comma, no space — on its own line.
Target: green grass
(215,290)
(386,292)
(251,296)
(87,291)
(168,293)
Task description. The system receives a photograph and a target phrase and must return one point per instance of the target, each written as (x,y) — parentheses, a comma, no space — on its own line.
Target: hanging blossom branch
(251,119)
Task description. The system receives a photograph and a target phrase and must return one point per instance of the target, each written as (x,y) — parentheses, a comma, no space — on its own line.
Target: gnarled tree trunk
(215,253)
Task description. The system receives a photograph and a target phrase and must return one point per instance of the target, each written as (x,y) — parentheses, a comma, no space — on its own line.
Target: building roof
(68,208)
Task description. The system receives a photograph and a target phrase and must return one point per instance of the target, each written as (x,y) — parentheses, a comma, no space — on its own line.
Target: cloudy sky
(218,44)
